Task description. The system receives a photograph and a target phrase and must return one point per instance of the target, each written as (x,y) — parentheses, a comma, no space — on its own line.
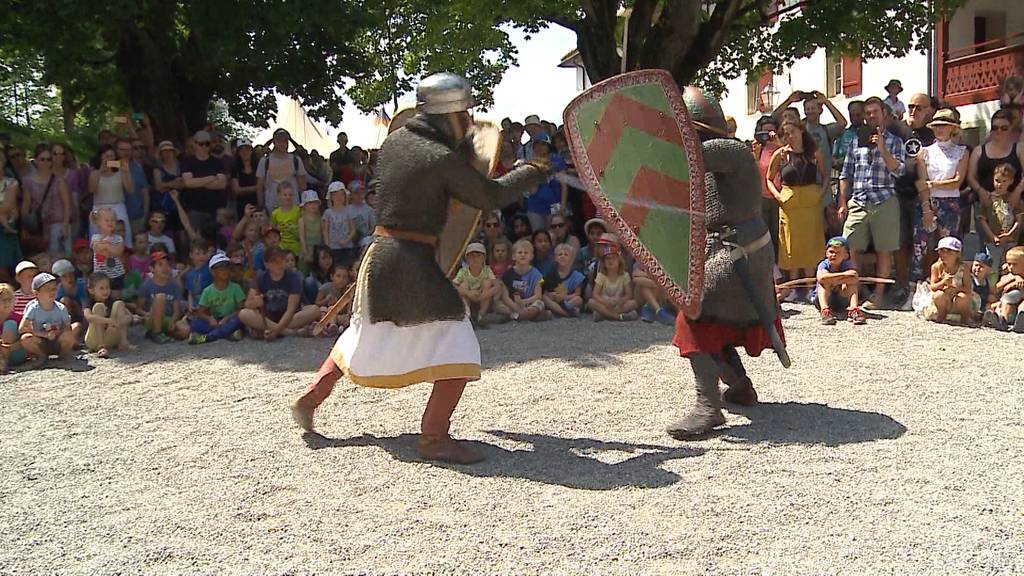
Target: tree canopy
(174,58)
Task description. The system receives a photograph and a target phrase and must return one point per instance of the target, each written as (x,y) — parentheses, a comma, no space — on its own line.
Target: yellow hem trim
(428,374)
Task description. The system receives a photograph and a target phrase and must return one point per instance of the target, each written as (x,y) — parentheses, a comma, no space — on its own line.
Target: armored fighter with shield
(409,324)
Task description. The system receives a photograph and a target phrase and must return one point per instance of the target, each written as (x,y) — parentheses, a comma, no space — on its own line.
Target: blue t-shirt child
(276,292)
(823,266)
(41,319)
(549,192)
(574,280)
(80,295)
(150,289)
(196,280)
(522,284)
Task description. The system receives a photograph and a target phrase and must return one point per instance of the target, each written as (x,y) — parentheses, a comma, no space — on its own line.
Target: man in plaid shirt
(867,195)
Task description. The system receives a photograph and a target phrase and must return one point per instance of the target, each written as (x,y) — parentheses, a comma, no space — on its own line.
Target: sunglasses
(917,106)
(491,224)
(202,143)
(1000,127)
(558,224)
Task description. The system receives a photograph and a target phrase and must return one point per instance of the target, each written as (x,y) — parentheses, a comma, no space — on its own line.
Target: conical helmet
(443,93)
(705,111)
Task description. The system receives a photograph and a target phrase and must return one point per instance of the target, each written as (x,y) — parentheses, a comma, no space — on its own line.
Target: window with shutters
(833,75)
(852,67)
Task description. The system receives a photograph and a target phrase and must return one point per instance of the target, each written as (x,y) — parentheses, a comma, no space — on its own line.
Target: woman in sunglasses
(560,230)
(1001,148)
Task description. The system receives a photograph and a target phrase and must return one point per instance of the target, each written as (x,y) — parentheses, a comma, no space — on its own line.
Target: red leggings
(437,415)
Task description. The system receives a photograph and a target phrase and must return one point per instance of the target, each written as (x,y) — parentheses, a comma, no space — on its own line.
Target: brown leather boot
(446,449)
(302,413)
(742,393)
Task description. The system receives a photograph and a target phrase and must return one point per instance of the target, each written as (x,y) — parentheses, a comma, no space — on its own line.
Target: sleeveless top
(799,171)
(941,162)
(987,165)
(110,190)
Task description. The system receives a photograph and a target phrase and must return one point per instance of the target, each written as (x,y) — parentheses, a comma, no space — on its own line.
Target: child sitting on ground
(24,273)
(1011,290)
(11,351)
(522,299)
(950,284)
(501,257)
(983,295)
(217,314)
(837,287)
(46,326)
(71,292)
(613,290)
(563,288)
(81,256)
(108,249)
(1000,222)
(138,261)
(156,234)
(476,284)
(197,277)
(329,294)
(108,318)
(160,300)
(653,296)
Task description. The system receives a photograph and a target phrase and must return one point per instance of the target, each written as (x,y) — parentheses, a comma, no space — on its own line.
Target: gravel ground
(891,448)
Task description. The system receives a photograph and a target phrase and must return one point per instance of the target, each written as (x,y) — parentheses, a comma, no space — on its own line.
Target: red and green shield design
(640,157)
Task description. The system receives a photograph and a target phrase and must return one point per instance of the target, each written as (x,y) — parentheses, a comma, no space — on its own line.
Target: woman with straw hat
(942,167)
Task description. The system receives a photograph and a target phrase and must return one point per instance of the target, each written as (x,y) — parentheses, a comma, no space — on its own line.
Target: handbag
(32,223)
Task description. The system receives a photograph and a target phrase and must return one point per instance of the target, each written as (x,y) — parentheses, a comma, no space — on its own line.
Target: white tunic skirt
(385,355)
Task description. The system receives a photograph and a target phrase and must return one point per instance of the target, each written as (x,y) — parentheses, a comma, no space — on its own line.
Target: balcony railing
(977,77)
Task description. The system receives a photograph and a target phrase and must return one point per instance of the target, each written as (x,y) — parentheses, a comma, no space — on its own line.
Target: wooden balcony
(971,78)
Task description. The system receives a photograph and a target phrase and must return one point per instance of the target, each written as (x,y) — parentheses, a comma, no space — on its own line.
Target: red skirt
(707,337)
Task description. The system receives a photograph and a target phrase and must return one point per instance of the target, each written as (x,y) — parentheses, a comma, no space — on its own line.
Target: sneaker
(646,314)
(482,321)
(665,317)
(827,318)
(159,337)
(992,320)
(908,304)
(872,303)
(573,311)
(793,297)
(812,297)
(197,338)
(629,316)
(1018,324)
(856,315)
(236,336)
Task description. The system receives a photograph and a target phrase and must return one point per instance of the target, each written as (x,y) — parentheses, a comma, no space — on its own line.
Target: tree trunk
(595,39)
(68,112)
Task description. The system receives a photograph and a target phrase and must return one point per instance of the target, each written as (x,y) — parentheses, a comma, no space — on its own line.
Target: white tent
(292,117)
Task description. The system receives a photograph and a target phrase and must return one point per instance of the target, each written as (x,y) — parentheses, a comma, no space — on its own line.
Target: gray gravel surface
(890,448)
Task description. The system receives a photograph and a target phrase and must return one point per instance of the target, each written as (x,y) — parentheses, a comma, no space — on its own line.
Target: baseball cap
(166,145)
(62,266)
(25,265)
(157,256)
(607,249)
(281,132)
(840,241)
(218,259)
(42,280)
(336,187)
(950,243)
(309,196)
(243,142)
(475,247)
(532,119)
(79,244)
(983,258)
(201,136)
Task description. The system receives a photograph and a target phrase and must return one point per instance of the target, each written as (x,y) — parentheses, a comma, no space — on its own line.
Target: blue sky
(535,86)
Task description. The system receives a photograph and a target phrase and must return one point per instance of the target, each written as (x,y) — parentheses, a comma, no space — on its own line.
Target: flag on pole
(381,117)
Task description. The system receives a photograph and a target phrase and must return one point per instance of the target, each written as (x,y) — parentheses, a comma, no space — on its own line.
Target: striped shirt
(112,266)
(21,300)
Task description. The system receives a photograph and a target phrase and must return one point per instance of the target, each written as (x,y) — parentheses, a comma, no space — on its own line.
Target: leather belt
(409,235)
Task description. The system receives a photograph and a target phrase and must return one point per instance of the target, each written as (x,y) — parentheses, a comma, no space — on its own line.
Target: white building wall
(810,74)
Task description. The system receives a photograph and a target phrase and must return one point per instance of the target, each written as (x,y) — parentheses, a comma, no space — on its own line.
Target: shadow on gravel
(797,423)
(569,462)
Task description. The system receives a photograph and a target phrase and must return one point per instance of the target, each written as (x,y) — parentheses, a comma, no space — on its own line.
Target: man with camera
(867,193)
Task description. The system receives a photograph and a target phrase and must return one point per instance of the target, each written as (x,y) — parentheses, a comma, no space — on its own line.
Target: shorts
(836,301)
(907,208)
(275,316)
(17,356)
(1013,297)
(877,223)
